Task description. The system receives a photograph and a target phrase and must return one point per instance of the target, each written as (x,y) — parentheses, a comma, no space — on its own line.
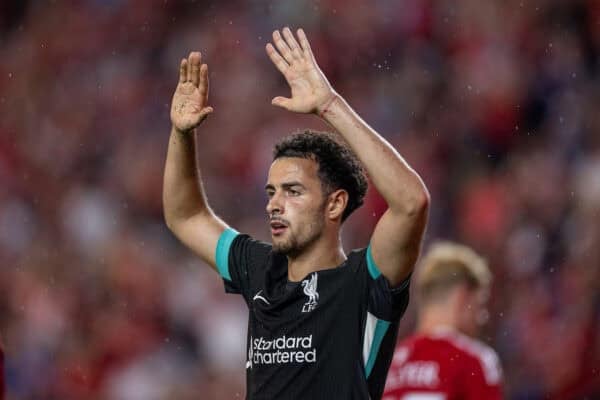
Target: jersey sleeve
(385,306)
(239,257)
(385,302)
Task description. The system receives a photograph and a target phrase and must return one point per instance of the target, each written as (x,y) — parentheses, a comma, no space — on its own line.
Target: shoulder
(424,347)
(356,260)
(363,259)
(357,255)
(239,256)
(243,243)
(479,356)
(245,239)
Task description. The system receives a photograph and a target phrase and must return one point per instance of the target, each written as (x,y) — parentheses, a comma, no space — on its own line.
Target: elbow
(424,200)
(421,203)
(174,215)
(417,204)
(169,221)
(172,219)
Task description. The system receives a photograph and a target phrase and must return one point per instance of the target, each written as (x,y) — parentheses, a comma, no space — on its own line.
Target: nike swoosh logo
(257,296)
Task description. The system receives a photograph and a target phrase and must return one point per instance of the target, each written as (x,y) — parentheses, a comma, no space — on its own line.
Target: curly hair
(339,168)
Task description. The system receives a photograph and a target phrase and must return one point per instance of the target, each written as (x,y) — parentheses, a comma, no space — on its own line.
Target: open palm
(309,86)
(189,105)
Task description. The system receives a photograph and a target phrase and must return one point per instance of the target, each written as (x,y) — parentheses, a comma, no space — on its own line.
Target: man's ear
(336,204)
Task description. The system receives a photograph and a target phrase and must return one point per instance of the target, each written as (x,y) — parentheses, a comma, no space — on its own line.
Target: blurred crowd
(495,103)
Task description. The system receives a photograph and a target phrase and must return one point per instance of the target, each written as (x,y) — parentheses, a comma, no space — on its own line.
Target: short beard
(293,247)
(288,248)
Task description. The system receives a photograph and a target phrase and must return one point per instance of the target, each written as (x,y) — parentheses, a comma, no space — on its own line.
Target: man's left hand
(311,92)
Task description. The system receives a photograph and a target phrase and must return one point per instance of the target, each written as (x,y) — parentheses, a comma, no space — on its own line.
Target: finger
(304,42)
(282,102)
(205,112)
(203,86)
(283,48)
(279,62)
(189,68)
(194,71)
(292,43)
(183,71)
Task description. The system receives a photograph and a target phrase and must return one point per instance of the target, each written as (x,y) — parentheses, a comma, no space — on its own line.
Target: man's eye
(293,192)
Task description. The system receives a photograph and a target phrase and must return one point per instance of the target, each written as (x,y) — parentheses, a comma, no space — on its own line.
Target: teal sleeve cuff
(222,252)
(373,270)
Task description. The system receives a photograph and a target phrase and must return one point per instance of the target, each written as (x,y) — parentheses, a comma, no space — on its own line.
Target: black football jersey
(329,336)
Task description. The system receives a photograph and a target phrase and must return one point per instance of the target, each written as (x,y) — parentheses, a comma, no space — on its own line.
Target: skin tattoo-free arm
(186,209)
(396,240)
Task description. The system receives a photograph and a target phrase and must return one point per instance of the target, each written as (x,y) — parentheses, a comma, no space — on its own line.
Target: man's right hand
(189,105)
(186,209)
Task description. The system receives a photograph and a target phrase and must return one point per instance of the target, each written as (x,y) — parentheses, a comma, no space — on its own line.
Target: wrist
(183,132)
(325,107)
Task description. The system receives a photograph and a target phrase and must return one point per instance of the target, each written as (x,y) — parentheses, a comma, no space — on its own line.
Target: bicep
(201,234)
(396,243)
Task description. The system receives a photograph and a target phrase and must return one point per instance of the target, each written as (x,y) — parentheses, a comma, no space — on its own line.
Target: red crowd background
(495,103)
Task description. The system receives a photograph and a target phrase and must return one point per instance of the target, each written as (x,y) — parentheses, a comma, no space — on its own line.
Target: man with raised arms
(322,323)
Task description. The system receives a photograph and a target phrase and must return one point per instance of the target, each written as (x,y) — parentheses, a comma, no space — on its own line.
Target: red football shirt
(446,365)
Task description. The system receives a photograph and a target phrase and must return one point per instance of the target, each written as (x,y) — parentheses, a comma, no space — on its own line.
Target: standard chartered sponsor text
(283,350)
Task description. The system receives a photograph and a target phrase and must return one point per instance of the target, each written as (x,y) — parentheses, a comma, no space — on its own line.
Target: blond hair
(447,265)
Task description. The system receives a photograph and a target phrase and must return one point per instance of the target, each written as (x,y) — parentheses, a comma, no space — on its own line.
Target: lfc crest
(310,290)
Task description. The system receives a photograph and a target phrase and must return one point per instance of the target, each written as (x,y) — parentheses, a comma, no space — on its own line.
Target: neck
(324,253)
(434,317)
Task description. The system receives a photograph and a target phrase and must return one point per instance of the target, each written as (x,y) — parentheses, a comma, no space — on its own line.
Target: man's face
(296,204)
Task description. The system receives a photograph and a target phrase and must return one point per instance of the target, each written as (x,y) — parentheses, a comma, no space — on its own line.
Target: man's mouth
(278,227)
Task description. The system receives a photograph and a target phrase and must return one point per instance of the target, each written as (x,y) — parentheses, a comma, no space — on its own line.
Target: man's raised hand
(189,105)
(310,89)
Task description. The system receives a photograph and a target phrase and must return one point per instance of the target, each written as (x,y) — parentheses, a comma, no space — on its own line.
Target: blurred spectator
(443,359)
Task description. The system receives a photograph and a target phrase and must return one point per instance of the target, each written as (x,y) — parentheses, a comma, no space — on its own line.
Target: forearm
(395,180)
(183,194)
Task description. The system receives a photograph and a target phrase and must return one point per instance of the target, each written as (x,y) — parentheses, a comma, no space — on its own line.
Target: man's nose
(274,206)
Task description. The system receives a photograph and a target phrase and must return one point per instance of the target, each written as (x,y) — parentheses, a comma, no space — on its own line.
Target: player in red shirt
(443,361)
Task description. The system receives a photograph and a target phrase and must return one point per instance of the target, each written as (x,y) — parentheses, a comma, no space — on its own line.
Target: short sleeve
(385,302)
(239,257)
(385,307)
